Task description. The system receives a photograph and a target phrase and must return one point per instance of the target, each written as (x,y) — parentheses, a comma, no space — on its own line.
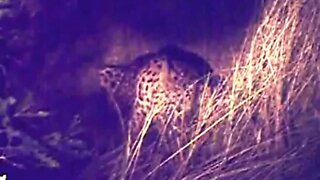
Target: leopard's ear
(110,77)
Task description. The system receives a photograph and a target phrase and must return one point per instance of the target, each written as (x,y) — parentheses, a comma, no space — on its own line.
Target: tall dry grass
(261,122)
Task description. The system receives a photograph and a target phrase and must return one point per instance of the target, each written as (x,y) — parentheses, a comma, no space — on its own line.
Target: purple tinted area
(35,31)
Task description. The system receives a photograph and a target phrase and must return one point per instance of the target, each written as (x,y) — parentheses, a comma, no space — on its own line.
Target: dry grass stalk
(246,123)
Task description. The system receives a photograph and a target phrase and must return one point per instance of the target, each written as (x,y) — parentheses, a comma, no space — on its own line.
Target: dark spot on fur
(109,73)
(112,84)
(154,74)
(141,97)
(179,109)
(156,79)
(148,73)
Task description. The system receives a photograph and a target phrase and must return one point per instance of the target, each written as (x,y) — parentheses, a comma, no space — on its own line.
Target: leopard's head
(110,77)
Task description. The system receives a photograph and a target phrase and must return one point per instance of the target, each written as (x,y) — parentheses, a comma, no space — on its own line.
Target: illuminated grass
(261,118)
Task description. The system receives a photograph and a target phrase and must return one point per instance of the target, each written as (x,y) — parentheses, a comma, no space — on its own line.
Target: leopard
(158,88)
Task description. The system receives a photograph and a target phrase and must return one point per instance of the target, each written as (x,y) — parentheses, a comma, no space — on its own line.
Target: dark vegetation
(55,120)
